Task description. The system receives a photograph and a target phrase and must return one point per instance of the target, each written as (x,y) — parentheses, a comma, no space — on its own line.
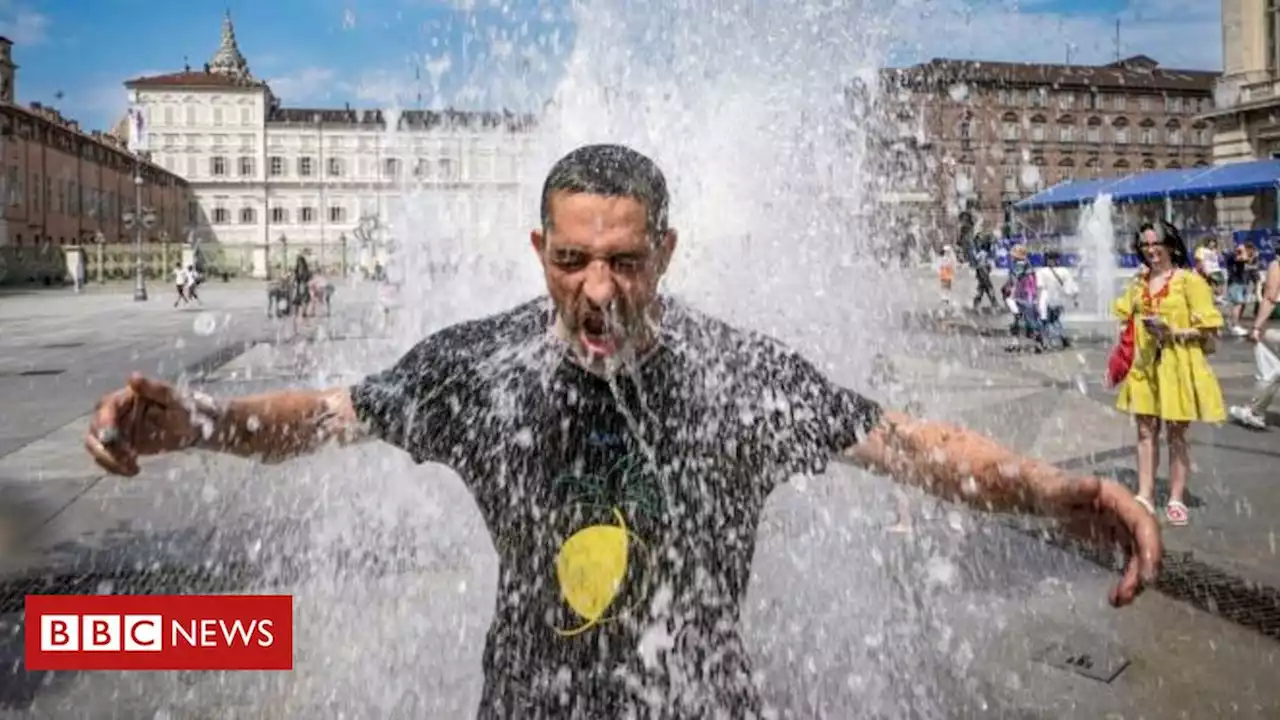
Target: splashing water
(773,193)
(1096,242)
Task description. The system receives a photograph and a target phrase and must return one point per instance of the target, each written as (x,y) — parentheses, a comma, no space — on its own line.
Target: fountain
(1099,273)
(743,107)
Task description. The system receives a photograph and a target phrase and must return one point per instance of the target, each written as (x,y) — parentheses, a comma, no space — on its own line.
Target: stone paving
(393,571)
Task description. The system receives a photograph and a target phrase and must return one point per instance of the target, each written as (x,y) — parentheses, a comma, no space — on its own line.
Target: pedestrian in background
(1254,415)
(1170,383)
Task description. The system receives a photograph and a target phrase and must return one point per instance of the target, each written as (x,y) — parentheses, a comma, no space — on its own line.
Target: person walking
(1170,383)
(983,263)
(1254,415)
(1242,278)
(180,284)
(1057,286)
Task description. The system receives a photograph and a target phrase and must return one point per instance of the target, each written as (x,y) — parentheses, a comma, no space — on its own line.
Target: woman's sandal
(1176,513)
(1146,504)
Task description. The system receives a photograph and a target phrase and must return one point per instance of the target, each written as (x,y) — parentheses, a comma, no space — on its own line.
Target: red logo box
(159,632)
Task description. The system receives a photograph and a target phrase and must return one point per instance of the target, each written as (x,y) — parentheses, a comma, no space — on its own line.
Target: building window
(279,215)
(1092,101)
(217,116)
(1066,100)
(1173,104)
(306,215)
(335,167)
(1093,134)
(1037,132)
(217,166)
(1119,103)
(221,216)
(1002,96)
(305,167)
(337,214)
(1147,136)
(1066,133)
(246,167)
(1144,103)
(1122,136)
(248,216)
(391,167)
(1010,179)
(1039,97)
(275,165)
(1201,137)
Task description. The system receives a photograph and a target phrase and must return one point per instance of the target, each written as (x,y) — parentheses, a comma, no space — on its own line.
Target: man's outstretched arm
(278,426)
(151,417)
(961,465)
(958,465)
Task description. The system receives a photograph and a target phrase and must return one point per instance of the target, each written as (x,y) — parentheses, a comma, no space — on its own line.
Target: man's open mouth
(597,336)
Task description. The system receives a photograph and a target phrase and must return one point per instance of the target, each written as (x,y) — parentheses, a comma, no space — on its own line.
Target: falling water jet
(745,113)
(1095,245)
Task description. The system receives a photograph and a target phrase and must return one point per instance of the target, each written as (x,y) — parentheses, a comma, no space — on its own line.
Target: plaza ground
(393,570)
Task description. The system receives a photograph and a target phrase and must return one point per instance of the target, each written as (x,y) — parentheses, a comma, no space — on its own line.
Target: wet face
(602,268)
(1156,254)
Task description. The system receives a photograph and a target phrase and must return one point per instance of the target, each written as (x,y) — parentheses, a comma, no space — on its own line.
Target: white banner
(137,130)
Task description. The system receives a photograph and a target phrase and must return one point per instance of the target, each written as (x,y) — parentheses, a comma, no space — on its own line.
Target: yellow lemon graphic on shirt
(590,567)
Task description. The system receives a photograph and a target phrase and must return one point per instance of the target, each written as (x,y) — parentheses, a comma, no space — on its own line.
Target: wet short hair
(611,171)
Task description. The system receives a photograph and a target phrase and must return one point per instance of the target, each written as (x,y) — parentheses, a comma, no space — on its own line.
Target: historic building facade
(993,133)
(271,181)
(1247,119)
(63,187)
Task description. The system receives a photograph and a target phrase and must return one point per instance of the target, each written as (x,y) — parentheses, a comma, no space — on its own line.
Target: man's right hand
(146,417)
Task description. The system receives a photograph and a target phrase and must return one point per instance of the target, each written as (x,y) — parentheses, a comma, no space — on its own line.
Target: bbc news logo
(159,632)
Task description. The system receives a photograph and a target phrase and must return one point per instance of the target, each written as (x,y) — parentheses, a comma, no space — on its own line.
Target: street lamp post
(342,238)
(138,219)
(98,241)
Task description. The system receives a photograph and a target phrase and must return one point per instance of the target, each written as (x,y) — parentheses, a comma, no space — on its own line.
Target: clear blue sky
(74,54)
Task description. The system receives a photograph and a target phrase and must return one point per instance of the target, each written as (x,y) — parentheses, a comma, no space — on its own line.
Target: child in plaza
(1022,295)
(947,272)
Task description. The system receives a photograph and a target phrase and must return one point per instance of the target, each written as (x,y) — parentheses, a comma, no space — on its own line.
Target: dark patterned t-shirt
(623,511)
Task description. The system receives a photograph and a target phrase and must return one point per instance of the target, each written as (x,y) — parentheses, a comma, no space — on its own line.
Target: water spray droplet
(205,324)
(958,92)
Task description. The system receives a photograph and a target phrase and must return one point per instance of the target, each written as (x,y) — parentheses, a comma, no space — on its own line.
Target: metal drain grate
(42,372)
(62,346)
(1195,582)
(160,581)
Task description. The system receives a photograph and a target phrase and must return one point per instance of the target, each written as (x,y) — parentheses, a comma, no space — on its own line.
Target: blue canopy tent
(1231,179)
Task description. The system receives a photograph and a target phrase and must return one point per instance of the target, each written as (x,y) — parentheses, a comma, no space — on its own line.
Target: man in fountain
(620,446)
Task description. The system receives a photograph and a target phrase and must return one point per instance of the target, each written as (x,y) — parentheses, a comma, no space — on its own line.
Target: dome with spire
(228,60)
(227,68)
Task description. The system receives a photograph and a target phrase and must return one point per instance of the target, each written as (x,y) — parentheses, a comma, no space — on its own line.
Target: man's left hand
(1104,513)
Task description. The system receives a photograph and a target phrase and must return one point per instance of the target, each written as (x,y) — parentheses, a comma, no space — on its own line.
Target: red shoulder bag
(1121,358)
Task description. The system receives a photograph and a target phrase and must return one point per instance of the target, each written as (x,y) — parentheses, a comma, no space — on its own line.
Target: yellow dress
(1176,382)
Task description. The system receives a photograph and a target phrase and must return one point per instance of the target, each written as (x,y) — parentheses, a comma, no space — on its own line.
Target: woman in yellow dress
(1170,383)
